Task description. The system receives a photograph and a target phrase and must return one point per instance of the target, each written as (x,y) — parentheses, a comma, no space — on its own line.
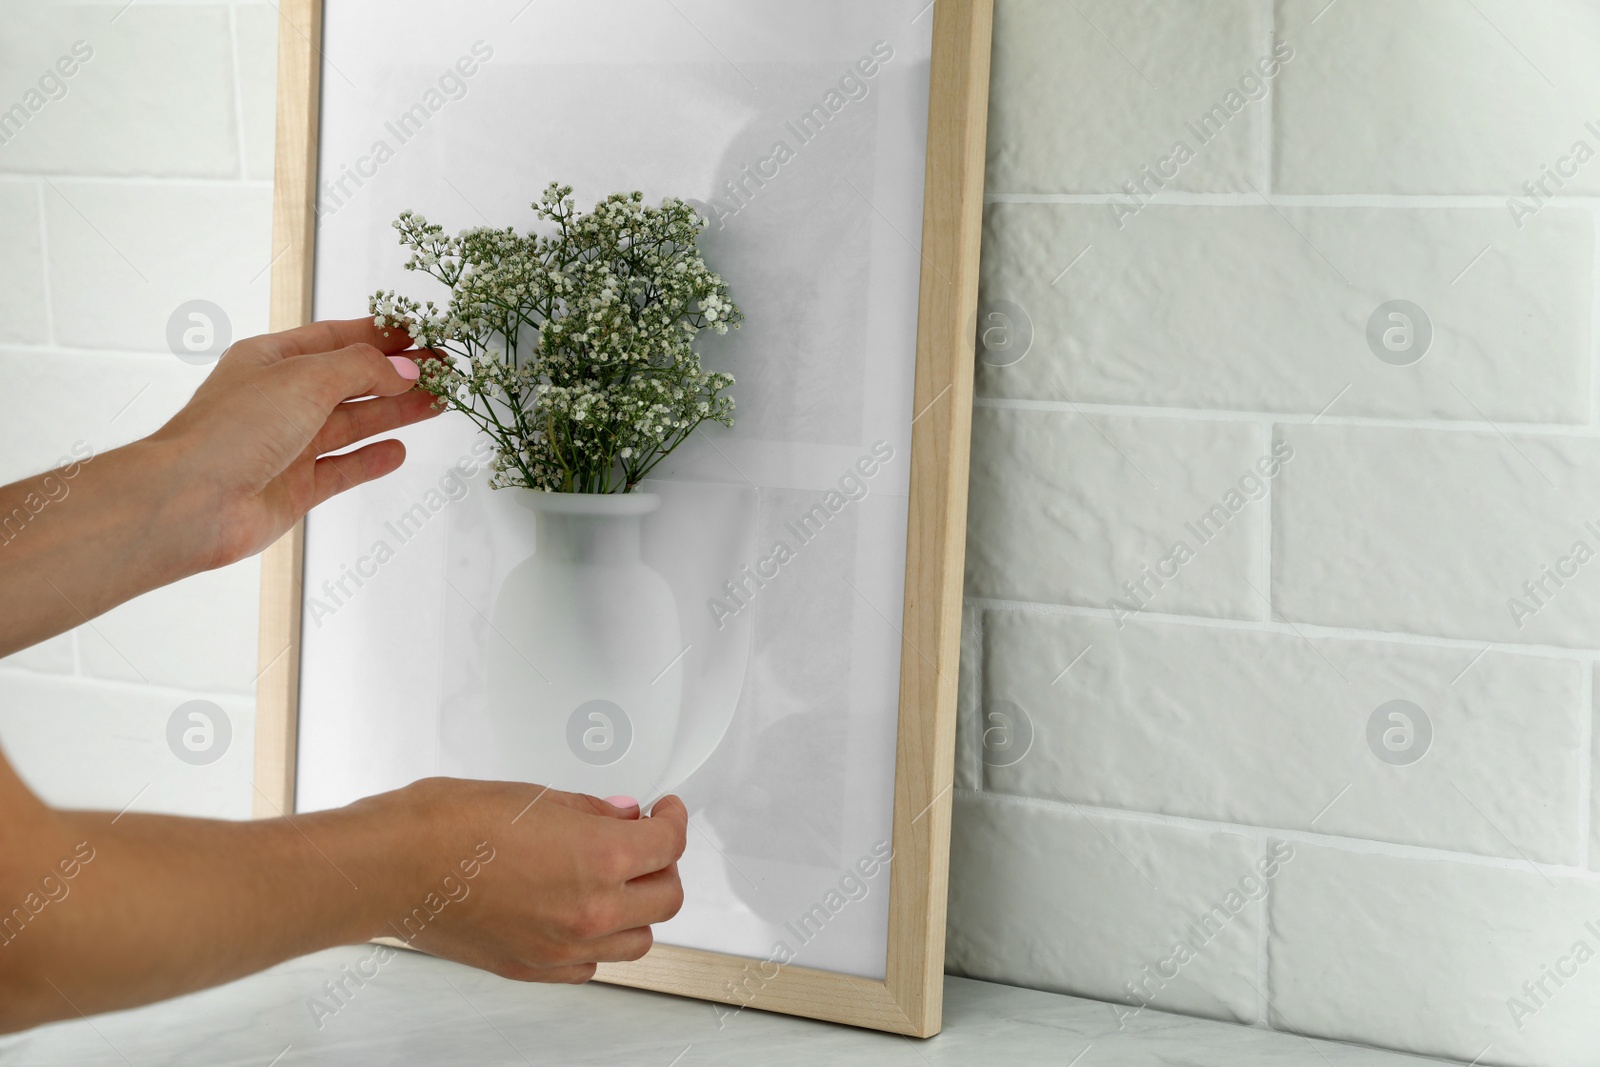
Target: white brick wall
(1092,872)
(145,184)
(1130,762)
(1142,723)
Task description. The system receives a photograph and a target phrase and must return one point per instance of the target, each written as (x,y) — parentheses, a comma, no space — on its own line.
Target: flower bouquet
(573,349)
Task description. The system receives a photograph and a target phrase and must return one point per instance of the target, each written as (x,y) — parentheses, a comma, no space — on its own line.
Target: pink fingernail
(622,802)
(406,368)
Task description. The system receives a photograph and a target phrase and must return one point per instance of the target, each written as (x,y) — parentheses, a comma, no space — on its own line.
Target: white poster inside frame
(777,548)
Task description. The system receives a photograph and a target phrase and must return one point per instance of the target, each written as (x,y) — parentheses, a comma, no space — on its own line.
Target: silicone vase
(586,658)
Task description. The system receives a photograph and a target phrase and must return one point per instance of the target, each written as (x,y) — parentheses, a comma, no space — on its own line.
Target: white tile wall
(1255,308)
(1139,353)
(124,255)
(156,98)
(255,49)
(1379,528)
(969,744)
(1594,794)
(1435,96)
(1114,82)
(90,744)
(1067,507)
(1105,908)
(144,181)
(48,406)
(1268,729)
(198,633)
(1431,956)
(23,314)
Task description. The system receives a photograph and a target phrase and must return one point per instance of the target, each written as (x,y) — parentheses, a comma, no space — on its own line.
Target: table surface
(418,1010)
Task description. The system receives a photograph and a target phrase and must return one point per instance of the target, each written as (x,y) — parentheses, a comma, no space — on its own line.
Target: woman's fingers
(308,389)
(564,975)
(624,807)
(357,420)
(570,974)
(617,807)
(657,896)
(654,843)
(335,474)
(356,371)
(334,334)
(667,803)
(619,947)
(305,392)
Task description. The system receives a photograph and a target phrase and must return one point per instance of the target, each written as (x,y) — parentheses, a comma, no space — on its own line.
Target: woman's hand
(535,884)
(252,448)
(228,475)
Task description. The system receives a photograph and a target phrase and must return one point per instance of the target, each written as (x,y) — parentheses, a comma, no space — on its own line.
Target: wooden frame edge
(909,1000)
(294,226)
(952,233)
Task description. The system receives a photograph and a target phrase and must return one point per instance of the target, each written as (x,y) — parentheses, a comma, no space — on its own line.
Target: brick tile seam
(161,356)
(158,180)
(1578,431)
(1586,771)
(1263,834)
(122,685)
(1496,201)
(1297,630)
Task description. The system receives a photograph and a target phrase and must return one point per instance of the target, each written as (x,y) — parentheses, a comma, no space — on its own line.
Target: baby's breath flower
(573,349)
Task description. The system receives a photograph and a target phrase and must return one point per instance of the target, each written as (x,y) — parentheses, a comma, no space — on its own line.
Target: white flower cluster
(572,349)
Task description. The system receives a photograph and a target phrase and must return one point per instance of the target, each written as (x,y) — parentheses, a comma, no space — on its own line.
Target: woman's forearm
(103,911)
(94,532)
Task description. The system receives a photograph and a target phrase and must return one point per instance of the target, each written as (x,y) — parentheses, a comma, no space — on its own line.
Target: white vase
(586,657)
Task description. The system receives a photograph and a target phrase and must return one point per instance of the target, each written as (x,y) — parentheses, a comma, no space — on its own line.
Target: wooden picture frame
(908,1000)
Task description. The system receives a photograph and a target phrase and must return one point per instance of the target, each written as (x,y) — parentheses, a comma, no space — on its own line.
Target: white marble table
(418,1010)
